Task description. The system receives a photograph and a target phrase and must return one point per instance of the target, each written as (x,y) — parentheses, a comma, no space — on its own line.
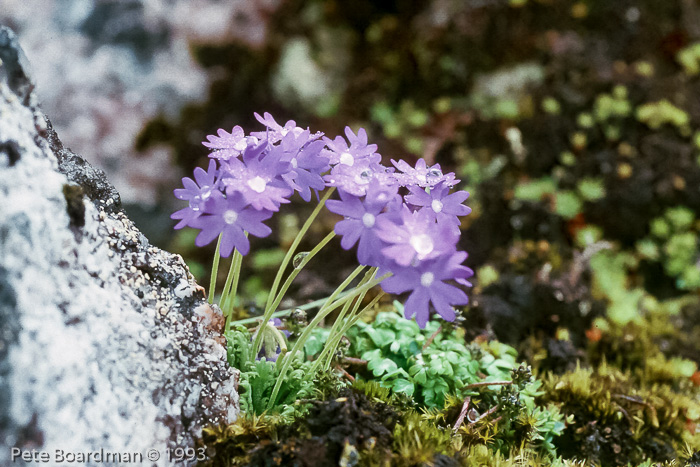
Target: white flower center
(368,220)
(257,184)
(347,159)
(294,163)
(426,279)
(422,243)
(436,205)
(230,216)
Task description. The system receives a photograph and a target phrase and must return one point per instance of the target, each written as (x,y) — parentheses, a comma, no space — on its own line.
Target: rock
(93,61)
(106,342)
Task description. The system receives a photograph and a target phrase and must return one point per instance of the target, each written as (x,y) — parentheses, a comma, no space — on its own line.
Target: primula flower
(232,217)
(426,282)
(445,208)
(306,161)
(340,153)
(422,175)
(228,145)
(197,193)
(275,131)
(414,236)
(360,221)
(355,179)
(258,176)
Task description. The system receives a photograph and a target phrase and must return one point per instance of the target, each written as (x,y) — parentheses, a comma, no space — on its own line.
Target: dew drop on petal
(195,203)
(299,258)
(363,178)
(434,174)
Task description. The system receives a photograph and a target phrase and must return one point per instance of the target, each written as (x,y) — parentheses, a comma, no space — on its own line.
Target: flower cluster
(412,236)
(249,177)
(403,219)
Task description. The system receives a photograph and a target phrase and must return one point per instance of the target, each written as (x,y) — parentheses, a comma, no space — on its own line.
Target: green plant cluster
(441,372)
(566,203)
(258,378)
(673,242)
(399,356)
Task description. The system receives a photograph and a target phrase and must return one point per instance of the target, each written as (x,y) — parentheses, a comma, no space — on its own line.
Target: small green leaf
(534,190)
(567,204)
(406,387)
(379,367)
(591,189)
(420,377)
(372,355)
(395,346)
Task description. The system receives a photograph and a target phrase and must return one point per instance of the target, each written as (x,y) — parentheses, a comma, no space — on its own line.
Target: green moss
(620,418)
(657,114)
(673,243)
(689,58)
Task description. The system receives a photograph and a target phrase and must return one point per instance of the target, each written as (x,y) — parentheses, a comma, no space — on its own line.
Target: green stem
(332,297)
(354,316)
(214,272)
(323,312)
(293,248)
(229,301)
(339,321)
(286,311)
(229,280)
(257,344)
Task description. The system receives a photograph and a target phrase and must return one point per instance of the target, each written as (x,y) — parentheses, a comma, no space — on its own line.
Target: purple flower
(445,208)
(306,161)
(426,282)
(422,175)
(355,179)
(258,177)
(275,131)
(360,221)
(340,153)
(383,194)
(231,217)
(414,236)
(228,145)
(196,193)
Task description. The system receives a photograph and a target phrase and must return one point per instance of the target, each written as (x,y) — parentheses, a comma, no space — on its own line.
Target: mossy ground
(575,125)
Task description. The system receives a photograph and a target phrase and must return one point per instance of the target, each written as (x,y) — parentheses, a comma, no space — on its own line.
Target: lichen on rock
(100,344)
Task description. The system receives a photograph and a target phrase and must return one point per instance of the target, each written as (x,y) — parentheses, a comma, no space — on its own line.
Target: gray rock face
(106,342)
(103,56)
